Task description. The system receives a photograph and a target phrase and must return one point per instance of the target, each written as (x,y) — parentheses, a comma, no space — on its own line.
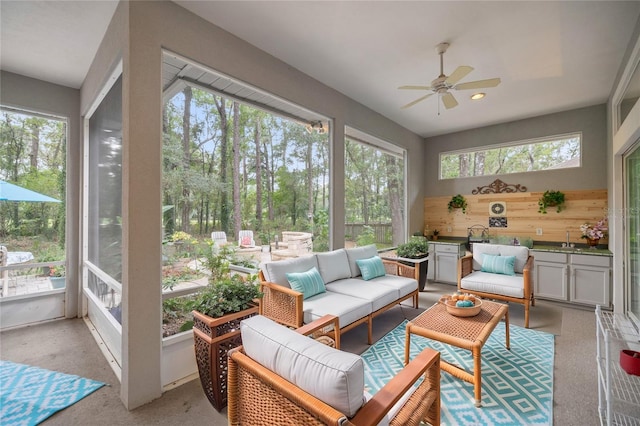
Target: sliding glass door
(632,181)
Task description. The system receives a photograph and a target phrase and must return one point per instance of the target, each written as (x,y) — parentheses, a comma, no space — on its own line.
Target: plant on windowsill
(435,234)
(551,198)
(57,276)
(457,202)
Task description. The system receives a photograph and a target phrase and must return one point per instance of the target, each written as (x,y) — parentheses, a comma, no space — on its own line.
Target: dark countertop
(572,250)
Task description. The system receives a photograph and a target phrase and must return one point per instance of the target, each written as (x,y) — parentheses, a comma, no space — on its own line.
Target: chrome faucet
(567,238)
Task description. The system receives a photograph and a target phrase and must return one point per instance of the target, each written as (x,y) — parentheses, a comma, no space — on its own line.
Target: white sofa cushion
(348,309)
(356,253)
(379,295)
(505,285)
(333,265)
(333,376)
(404,285)
(276,271)
(520,252)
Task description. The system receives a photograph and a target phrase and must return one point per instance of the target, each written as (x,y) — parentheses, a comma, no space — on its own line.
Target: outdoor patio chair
(245,239)
(279,376)
(219,237)
(4,275)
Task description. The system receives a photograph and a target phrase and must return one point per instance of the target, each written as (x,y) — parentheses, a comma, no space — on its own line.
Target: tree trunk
(309,162)
(237,220)
(257,137)
(186,159)
(224,198)
(35,146)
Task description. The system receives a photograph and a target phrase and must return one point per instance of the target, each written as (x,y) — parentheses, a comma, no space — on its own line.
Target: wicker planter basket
(213,338)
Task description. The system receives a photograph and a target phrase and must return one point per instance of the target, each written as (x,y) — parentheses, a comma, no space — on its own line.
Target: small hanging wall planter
(457,202)
(551,198)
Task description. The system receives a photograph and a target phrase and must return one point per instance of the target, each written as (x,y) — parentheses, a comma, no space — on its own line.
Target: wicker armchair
(259,396)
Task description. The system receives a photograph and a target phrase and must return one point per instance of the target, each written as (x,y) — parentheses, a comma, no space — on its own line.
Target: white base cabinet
(576,278)
(618,392)
(443,266)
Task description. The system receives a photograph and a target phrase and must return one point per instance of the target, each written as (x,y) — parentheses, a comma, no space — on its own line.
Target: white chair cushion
(386,420)
(276,271)
(505,285)
(333,376)
(379,295)
(333,265)
(404,285)
(348,309)
(520,252)
(356,253)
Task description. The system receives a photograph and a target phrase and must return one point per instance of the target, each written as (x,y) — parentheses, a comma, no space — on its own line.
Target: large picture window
(374,192)
(554,152)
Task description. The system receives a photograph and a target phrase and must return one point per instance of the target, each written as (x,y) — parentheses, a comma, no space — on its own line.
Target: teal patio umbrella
(11,192)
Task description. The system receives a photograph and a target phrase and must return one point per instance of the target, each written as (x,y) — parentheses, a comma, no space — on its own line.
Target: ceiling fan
(443,83)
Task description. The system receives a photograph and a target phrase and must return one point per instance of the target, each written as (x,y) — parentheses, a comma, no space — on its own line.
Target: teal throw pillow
(308,283)
(498,264)
(371,268)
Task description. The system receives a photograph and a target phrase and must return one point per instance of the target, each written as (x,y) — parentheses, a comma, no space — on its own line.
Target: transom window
(553,152)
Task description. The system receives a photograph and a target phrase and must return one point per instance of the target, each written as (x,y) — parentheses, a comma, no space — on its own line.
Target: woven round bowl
(457,311)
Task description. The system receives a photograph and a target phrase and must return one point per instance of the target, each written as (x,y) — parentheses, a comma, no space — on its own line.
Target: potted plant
(57,276)
(416,248)
(593,233)
(551,198)
(457,202)
(218,310)
(435,234)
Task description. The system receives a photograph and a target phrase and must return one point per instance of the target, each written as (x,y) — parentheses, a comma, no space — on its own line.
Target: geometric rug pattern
(29,395)
(517,384)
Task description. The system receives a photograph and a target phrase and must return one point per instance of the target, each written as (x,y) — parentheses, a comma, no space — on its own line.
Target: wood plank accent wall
(521,213)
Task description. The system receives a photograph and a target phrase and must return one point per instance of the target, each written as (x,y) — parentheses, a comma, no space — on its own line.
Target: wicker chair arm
(426,403)
(328,325)
(281,304)
(393,267)
(527,273)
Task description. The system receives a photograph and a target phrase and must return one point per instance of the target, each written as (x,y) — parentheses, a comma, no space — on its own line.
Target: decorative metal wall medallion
(498,187)
(497,208)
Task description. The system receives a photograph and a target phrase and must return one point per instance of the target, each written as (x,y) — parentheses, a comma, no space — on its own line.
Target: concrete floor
(67,346)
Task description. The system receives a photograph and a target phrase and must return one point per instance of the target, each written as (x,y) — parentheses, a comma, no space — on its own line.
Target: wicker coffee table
(469,333)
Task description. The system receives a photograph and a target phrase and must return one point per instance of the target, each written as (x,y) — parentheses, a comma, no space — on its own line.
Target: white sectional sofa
(497,271)
(343,292)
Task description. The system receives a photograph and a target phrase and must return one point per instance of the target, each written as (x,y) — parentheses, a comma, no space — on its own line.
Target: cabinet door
(590,285)
(447,268)
(431,271)
(550,280)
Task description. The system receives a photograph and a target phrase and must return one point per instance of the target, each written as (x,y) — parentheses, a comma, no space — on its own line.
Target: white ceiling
(551,56)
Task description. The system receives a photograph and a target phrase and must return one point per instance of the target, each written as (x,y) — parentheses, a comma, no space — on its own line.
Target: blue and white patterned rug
(29,395)
(517,385)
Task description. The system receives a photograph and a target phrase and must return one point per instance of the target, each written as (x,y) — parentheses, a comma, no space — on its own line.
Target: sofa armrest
(393,267)
(465,267)
(327,325)
(527,273)
(281,304)
(426,397)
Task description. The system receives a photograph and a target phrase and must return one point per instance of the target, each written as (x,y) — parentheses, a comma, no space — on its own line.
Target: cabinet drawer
(447,248)
(545,256)
(590,260)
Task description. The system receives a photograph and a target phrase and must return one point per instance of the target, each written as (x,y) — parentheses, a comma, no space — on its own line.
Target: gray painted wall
(39,96)
(591,121)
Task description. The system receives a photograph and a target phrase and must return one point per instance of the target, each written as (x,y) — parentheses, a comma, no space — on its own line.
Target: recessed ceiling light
(477,96)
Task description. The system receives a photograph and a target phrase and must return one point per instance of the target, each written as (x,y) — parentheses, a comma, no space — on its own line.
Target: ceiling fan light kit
(478,96)
(443,83)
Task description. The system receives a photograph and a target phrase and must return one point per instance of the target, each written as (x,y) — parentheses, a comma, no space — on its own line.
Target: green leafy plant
(457,202)
(551,198)
(415,248)
(227,295)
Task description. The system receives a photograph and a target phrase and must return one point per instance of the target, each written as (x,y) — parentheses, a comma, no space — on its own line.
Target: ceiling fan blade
(410,104)
(449,101)
(460,73)
(480,84)
(414,87)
